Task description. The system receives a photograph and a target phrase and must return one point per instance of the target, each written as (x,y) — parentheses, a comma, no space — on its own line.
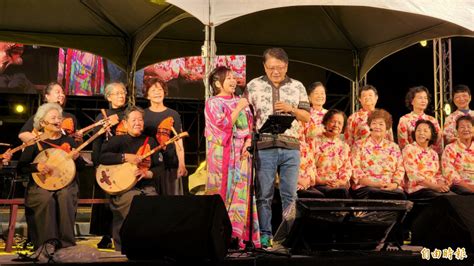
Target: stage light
(424,43)
(447,109)
(19,108)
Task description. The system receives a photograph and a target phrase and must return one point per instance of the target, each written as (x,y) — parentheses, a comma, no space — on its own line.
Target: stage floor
(410,256)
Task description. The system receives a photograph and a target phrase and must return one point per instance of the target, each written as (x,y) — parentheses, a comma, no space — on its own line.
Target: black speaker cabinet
(447,222)
(177,227)
(323,224)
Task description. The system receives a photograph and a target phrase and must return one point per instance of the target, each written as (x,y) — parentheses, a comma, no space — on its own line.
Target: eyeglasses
(275,68)
(119,94)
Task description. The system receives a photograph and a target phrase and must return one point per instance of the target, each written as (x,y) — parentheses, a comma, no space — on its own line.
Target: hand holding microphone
(242,104)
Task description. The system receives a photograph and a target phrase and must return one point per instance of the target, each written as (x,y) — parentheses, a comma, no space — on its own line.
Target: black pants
(377,193)
(461,190)
(427,194)
(311,192)
(334,193)
(52,214)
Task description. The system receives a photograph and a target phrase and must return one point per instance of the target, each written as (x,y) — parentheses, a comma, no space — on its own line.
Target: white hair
(111,86)
(42,111)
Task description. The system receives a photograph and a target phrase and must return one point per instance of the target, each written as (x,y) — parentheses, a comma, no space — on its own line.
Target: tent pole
(355,84)
(131,84)
(205,54)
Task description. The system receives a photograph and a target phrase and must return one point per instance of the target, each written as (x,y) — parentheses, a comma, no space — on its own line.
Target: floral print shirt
(458,163)
(308,133)
(449,132)
(381,162)
(420,164)
(262,95)
(406,126)
(357,128)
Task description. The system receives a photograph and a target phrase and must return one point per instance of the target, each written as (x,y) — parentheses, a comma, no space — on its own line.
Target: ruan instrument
(119,178)
(61,163)
(32,141)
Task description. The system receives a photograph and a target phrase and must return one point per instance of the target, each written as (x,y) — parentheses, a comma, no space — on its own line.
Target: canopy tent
(345,36)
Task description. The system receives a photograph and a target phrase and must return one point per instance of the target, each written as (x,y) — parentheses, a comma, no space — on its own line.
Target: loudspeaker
(342,224)
(447,222)
(176,227)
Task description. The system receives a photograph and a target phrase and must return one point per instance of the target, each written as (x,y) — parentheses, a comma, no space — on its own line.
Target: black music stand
(277,124)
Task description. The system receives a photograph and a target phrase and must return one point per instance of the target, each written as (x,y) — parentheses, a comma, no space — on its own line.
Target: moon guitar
(61,163)
(119,178)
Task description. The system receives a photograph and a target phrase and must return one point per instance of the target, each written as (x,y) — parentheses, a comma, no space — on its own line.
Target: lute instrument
(40,137)
(118,178)
(61,163)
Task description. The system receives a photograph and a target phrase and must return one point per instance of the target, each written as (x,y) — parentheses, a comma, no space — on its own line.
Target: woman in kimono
(228,135)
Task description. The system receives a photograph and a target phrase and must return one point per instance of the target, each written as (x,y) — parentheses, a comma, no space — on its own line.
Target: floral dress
(229,175)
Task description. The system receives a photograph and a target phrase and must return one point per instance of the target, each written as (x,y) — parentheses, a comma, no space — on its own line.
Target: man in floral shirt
(276,93)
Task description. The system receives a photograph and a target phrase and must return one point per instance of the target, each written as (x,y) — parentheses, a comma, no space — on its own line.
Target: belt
(283,138)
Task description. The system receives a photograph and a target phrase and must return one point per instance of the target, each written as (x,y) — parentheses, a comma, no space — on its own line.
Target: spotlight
(447,109)
(424,43)
(19,108)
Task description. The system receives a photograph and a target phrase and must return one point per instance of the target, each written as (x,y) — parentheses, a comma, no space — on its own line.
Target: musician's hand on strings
(182,171)
(43,168)
(78,136)
(143,173)
(282,107)
(75,154)
(7,156)
(132,158)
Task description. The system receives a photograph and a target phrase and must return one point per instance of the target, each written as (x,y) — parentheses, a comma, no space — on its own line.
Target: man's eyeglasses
(275,68)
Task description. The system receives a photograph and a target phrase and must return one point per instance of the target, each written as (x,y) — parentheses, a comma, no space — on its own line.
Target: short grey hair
(42,111)
(110,87)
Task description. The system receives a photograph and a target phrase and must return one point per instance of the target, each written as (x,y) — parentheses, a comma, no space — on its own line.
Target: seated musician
(377,162)
(332,164)
(53,93)
(101,217)
(51,213)
(422,166)
(458,158)
(128,148)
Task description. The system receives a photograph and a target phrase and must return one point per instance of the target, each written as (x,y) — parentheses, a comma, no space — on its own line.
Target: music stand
(277,124)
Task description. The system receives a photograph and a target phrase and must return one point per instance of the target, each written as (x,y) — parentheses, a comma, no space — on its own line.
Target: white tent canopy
(348,37)
(216,12)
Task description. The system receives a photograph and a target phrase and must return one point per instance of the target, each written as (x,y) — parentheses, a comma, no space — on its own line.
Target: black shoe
(105,242)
